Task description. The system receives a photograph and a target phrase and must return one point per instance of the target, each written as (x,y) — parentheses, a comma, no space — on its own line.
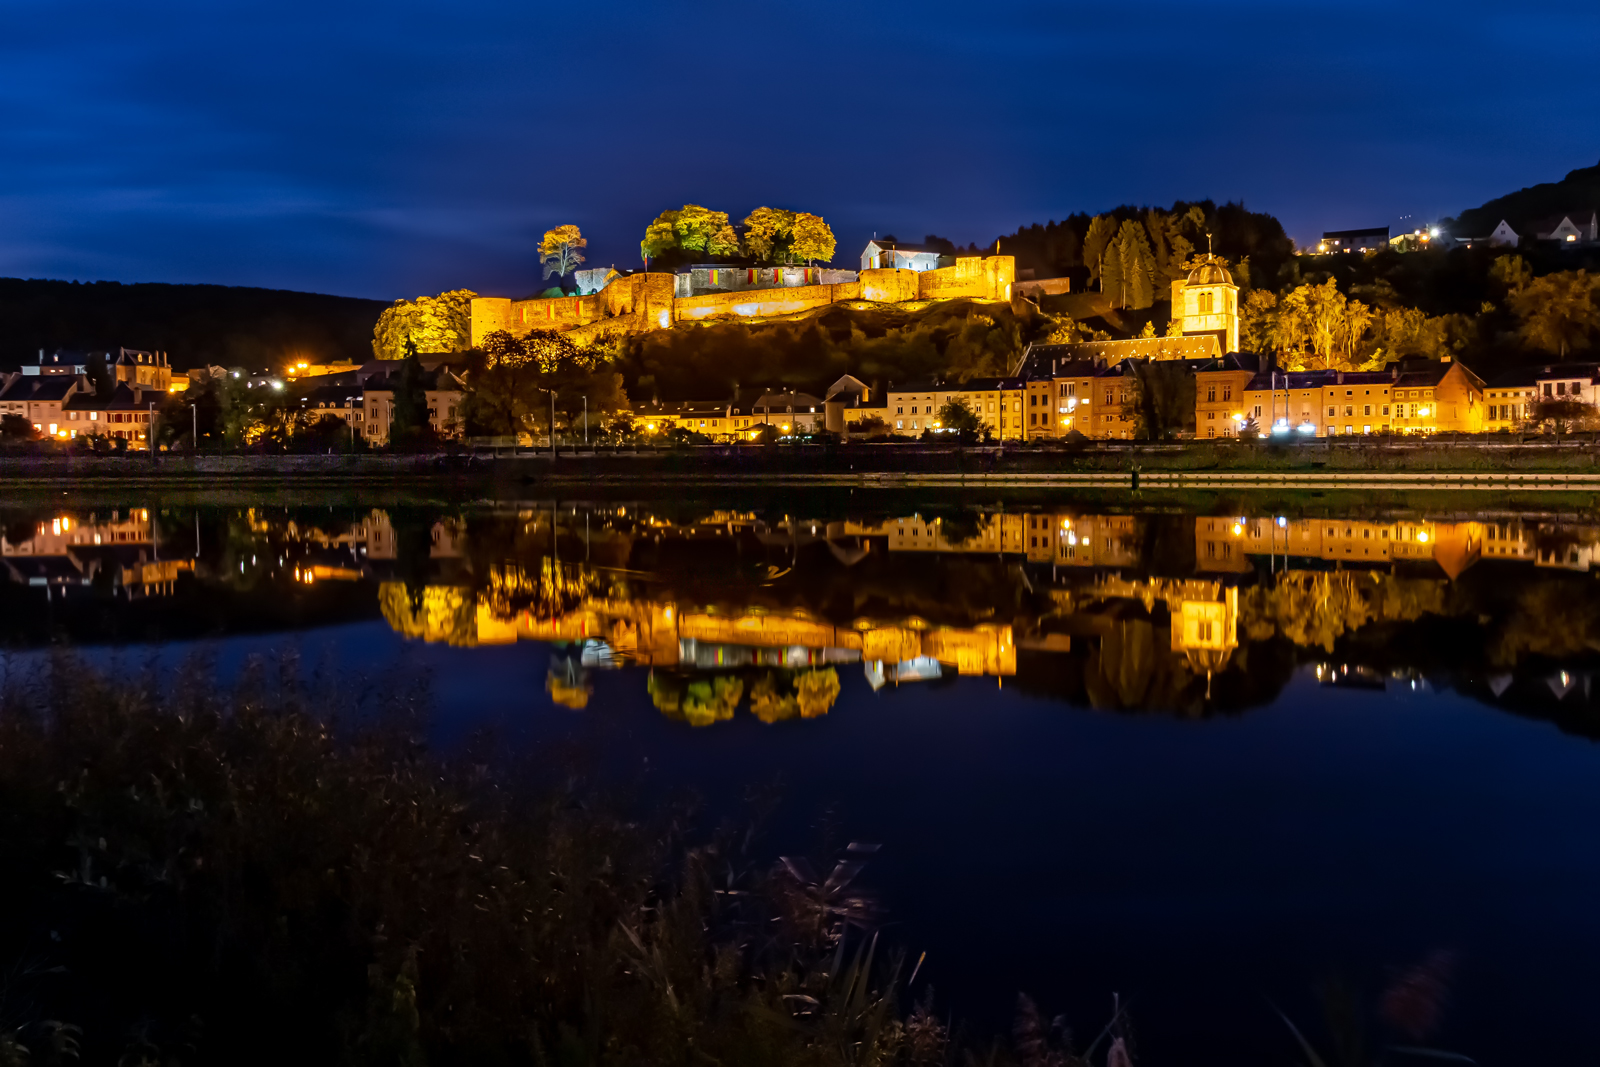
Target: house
(1354,240)
(1407,397)
(790,412)
(1219,396)
(1503,236)
(377,380)
(1514,397)
(1571,228)
(42,398)
(885,253)
(913,407)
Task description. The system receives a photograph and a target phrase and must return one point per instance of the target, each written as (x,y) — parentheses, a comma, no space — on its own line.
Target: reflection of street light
(552,393)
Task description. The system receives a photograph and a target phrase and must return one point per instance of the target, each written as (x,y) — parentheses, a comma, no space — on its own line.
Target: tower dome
(1211,272)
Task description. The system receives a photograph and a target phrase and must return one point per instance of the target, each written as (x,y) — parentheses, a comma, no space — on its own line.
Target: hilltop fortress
(637,303)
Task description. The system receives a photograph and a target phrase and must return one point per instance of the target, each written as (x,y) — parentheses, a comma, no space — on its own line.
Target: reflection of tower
(1208,302)
(1207,632)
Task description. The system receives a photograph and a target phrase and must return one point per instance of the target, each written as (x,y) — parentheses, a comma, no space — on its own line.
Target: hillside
(194,324)
(1579,189)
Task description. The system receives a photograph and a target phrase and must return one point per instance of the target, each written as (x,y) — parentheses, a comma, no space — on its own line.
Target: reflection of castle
(68,551)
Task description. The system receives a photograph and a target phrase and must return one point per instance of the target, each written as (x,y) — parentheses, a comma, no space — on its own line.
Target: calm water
(1198,753)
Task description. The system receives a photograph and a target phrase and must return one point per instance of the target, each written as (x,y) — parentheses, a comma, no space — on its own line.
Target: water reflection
(1126,610)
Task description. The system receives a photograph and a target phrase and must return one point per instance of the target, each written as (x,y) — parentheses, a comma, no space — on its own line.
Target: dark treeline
(195,324)
(1055,249)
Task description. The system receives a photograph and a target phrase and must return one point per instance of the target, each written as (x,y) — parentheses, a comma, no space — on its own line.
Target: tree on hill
(440,323)
(1558,311)
(559,251)
(678,236)
(1128,270)
(1580,189)
(1096,243)
(773,235)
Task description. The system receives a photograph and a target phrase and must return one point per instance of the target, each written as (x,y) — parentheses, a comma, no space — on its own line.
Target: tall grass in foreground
(282,872)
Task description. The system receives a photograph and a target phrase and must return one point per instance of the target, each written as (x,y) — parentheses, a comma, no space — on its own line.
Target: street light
(552,393)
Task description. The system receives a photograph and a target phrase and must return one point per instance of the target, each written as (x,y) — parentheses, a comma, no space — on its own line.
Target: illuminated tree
(767,231)
(559,251)
(440,323)
(812,239)
(1558,311)
(1512,272)
(1258,321)
(815,692)
(691,228)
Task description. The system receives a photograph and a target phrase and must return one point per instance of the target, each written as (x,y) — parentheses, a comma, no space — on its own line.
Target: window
(1211,416)
(1330,412)
(1211,393)
(1211,431)
(900,411)
(1349,410)
(1227,392)
(1386,409)
(1366,409)
(1033,400)
(1108,396)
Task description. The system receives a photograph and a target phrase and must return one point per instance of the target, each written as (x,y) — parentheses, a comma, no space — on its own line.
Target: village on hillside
(1136,328)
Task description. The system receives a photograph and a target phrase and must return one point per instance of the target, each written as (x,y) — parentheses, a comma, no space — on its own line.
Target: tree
(559,251)
(1133,285)
(100,374)
(812,239)
(440,323)
(1102,230)
(1557,311)
(17,428)
(768,232)
(1512,272)
(411,426)
(690,229)
(1258,321)
(958,416)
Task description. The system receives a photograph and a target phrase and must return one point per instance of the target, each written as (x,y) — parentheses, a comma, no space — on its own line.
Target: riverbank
(1464,463)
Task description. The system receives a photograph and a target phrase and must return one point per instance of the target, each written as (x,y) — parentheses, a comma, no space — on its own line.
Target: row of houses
(1569,229)
(59,397)
(1073,392)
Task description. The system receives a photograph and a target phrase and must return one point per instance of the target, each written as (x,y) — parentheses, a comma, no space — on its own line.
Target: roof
(1523,376)
(123,398)
(1211,272)
(849,385)
(1190,346)
(37,388)
(903,246)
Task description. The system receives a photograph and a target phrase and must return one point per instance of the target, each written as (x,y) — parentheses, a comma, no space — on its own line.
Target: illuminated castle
(638,303)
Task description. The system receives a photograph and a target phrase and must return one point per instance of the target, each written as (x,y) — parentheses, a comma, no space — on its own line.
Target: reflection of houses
(1062,539)
(1226,543)
(121,552)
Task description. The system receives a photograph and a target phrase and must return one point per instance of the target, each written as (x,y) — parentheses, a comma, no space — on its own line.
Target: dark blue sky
(391,149)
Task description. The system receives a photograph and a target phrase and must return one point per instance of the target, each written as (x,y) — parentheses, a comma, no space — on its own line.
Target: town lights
(1238,530)
(1422,536)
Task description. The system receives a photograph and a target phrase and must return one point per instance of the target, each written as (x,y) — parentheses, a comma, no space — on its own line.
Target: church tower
(1208,302)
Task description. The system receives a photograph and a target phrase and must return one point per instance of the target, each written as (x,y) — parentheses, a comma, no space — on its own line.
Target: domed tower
(1208,302)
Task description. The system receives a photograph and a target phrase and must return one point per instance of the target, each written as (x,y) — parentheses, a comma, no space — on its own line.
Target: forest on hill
(195,325)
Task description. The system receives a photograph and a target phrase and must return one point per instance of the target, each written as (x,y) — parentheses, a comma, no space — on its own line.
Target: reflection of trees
(1132,668)
(1314,609)
(546,590)
(432,612)
(1549,618)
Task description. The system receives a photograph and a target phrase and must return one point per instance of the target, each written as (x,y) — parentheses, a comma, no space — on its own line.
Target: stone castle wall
(642,302)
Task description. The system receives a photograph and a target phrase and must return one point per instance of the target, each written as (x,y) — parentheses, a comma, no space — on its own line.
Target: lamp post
(194,434)
(552,393)
(586,420)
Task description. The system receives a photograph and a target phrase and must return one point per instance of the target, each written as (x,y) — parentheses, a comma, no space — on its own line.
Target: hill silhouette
(195,324)
(1580,189)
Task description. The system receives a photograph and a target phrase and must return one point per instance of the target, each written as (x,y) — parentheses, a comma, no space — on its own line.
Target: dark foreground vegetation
(265,876)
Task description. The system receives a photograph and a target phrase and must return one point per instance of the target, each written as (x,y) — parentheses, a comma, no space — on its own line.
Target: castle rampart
(641,302)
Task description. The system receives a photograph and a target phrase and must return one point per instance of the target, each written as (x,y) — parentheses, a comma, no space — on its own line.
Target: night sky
(392,149)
